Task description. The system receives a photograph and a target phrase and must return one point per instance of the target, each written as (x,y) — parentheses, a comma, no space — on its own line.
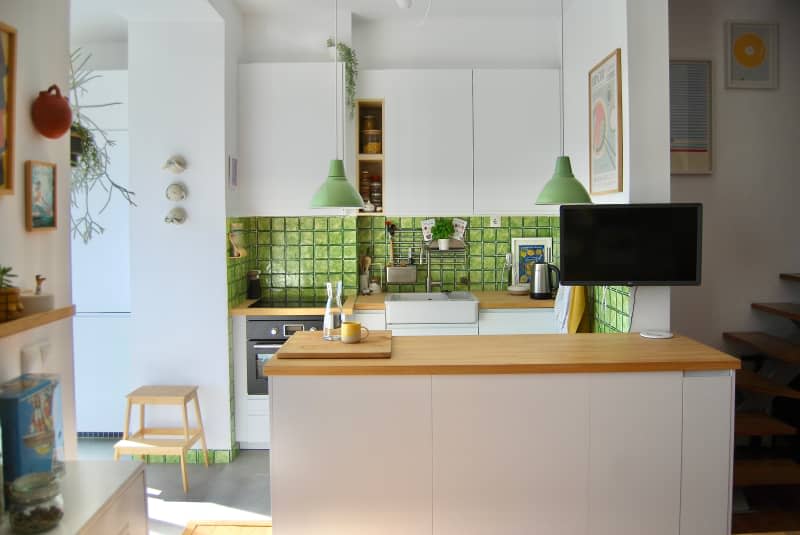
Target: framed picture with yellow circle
(752,55)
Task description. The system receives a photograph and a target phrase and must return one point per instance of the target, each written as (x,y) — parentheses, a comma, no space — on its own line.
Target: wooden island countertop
(520,354)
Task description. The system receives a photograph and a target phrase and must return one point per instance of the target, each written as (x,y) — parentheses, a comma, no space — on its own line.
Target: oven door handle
(266,346)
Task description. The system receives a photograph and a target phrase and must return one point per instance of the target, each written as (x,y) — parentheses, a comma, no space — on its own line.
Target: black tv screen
(631,244)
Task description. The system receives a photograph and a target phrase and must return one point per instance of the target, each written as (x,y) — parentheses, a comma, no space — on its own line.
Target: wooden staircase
(771,482)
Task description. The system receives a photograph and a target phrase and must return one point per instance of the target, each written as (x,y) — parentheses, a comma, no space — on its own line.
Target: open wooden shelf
(771,346)
(370,157)
(786,310)
(795,277)
(26,323)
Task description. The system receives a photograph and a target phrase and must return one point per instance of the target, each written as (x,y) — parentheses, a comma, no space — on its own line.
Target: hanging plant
(89,155)
(348,57)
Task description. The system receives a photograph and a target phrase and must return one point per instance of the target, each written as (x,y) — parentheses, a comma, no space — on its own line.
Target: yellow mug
(351,332)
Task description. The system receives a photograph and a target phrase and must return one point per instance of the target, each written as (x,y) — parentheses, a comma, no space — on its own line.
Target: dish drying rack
(405,240)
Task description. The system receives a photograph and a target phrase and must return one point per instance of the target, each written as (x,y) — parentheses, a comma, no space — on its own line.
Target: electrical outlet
(494,221)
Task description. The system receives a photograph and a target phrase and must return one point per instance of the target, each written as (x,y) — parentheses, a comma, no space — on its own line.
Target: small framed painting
(752,55)
(605,125)
(8,54)
(41,209)
(526,252)
(690,117)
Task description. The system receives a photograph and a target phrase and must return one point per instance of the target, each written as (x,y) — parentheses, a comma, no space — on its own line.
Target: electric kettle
(542,285)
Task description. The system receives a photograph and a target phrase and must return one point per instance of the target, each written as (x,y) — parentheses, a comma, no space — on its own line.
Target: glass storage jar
(35,503)
(370,141)
(368,122)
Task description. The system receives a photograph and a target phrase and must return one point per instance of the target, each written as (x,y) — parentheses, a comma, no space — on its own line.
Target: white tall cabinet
(427,139)
(517,138)
(287,136)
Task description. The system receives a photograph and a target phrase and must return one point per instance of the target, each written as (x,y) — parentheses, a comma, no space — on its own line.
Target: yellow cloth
(577,306)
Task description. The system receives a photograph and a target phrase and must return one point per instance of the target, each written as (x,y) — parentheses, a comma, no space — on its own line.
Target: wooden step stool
(139,443)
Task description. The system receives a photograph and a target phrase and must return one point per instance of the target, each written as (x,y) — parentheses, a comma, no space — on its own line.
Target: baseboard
(109,435)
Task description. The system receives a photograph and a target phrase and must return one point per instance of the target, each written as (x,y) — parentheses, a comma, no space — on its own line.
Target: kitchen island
(555,434)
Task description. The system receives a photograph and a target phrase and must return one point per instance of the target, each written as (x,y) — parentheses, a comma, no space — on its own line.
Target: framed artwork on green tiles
(526,252)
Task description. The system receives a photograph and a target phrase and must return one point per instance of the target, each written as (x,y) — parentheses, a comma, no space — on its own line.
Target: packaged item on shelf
(32,426)
(368,122)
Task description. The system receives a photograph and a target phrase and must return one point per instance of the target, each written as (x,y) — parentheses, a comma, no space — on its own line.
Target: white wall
(105,55)
(298,35)
(43,59)
(593,29)
(458,42)
(750,200)
(178,273)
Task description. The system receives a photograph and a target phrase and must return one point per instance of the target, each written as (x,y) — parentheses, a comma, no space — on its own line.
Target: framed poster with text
(605,125)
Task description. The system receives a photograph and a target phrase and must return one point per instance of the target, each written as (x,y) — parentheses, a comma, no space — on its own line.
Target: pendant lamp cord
(561,72)
(336,71)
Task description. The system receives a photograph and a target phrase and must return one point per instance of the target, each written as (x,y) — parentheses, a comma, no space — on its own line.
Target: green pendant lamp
(563,187)
(337,191)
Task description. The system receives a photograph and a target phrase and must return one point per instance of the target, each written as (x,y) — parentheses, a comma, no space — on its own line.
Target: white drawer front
(515,321)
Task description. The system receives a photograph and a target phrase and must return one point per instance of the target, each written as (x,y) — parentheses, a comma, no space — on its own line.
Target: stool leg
(202,429)
(127,425)
(141,419)
(184,479)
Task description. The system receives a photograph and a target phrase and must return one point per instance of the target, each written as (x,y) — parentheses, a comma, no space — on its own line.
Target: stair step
(791,277)
(760,424)
(747,380)
(786,310)
(761,472)
(774,522)
(772,346)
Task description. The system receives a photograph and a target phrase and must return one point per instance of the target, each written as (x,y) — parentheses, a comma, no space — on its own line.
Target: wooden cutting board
(310,345)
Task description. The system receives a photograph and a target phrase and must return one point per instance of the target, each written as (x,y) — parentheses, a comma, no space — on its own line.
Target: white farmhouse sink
(439,308)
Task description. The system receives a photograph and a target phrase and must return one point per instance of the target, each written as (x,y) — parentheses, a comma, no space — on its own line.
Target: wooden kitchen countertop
(242,309)
(518,354)
(487,300)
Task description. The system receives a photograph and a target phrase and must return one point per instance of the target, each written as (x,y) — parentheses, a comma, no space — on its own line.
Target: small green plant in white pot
(442,231)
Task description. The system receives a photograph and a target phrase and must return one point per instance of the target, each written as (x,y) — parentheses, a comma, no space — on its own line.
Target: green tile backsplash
(298,255)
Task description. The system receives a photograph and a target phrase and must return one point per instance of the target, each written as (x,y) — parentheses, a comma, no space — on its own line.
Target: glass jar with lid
(370,141)
(35,503)
(368,122)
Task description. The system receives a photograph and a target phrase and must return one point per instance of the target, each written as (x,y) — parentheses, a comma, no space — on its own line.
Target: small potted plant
(442,231)
(10,307)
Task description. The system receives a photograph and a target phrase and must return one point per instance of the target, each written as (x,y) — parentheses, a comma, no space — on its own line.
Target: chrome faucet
(429,283)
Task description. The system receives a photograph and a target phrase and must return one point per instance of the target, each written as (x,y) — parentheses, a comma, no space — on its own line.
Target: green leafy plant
(348,57)
(442,229)
(5,276)
(90,170)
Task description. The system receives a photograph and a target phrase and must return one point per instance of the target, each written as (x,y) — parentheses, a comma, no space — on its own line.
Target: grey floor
(235,491)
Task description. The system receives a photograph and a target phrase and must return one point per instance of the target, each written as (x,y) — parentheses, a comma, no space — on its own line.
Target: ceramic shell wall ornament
(176,216)
(176,164)
(176,192)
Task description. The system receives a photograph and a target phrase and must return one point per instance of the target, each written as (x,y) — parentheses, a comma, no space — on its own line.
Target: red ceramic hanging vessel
(51,113)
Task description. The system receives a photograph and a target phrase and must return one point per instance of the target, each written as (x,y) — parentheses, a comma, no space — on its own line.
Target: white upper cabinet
(427,139)
(517,138)
(286,137)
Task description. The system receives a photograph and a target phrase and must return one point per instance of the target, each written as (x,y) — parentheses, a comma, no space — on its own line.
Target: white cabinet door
(351,455)
(374,320)
(427,139)
(510,454)
(511,321)
(517,138)
(635,453)
(286,137)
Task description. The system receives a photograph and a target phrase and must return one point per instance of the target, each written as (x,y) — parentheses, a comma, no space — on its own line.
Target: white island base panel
(556,454)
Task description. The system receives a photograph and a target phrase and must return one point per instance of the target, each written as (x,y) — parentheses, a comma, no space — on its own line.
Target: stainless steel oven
(265,335)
